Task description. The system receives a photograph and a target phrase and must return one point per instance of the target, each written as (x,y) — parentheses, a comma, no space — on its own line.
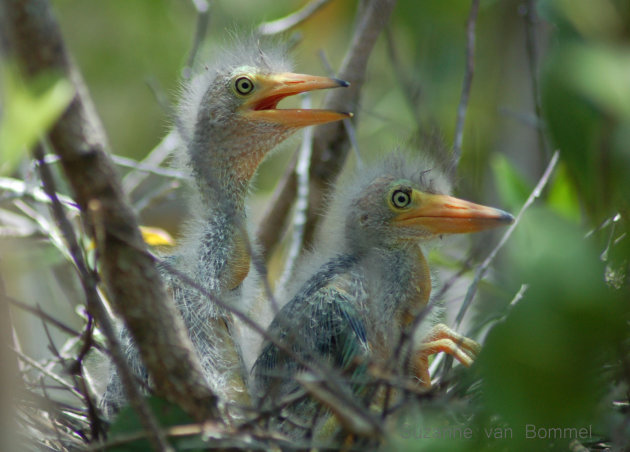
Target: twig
(292,20)
(147,168)
(31,362)
(347,123)
(155,158)
(42,315)
(319,369)
(9,373)
(37,194)
(330,142)
(203,19)
(532,57)
(301,204)
(271,225)
(155,195)
(466,84)
(132,280)
(93,302)
(53,417)
(481,270)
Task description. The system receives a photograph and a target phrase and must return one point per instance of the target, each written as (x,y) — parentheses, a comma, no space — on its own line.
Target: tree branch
(292,20)
(483,268)
(466,84)
(131,278)
(330,142)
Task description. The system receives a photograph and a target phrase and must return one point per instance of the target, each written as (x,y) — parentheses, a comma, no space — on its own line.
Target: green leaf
(600,73)
(29,111)
(512,188)
(563,198)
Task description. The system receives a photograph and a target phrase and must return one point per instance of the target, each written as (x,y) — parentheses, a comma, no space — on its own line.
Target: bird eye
(243,85)
(401,198)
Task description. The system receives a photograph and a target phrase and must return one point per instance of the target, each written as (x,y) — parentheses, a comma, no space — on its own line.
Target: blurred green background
(559,357)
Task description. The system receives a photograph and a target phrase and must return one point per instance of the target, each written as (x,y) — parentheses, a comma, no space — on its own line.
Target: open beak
(271,89)
(442,214)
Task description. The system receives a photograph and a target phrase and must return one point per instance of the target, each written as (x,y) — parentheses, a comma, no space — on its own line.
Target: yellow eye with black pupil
(243,85)
(401,198)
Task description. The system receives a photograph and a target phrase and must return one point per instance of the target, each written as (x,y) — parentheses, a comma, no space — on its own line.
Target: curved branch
(131,278)
(292,20)
(330,142)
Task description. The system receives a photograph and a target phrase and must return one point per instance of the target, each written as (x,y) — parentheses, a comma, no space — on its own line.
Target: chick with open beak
(229,121)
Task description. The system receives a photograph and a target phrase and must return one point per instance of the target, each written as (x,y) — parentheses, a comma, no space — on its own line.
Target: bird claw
(443,339)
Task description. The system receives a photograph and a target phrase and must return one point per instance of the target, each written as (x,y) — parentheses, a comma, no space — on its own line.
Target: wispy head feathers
(265,55)
(419,169)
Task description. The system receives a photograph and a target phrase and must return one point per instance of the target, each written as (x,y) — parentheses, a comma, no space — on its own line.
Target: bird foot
(443,339)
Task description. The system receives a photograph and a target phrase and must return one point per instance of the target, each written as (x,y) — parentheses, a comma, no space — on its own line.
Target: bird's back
(323,324)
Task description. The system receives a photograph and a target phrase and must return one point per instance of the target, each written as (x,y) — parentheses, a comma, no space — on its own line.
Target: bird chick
(352,310)
(229,121)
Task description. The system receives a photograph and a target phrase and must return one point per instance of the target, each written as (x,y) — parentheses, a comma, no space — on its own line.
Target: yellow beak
(271,89)
(442,214)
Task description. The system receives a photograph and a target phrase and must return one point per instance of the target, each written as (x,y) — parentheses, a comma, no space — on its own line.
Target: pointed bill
(442,214)
(271,89)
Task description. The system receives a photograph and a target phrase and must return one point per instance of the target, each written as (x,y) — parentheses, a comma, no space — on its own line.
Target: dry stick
(171,141)
(132,280)
(330,143)
(9,372)
(203,18)
(532,56)
(481,270)
(292,20)
(322,372)
(466,84)
(347,123)
(36,194)
(31,362)
(148,168)
(53,417)
(153,160)
(42,315)
(301,204)
(94,304)
(280,205)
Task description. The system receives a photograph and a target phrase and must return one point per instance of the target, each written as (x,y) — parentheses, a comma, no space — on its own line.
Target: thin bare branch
(529,14)
(146,168)
(331,143)
(292,20)
(45,317)
(347,123)
(94,304)
(34,364)
(483,268)
(203,19)
(320,370)
(466,84)
(9,372)
(132,280)
(301,204)
(271,225)
(153,160)
(36,194)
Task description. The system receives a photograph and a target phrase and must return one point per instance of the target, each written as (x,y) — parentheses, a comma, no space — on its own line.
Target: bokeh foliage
(558,356)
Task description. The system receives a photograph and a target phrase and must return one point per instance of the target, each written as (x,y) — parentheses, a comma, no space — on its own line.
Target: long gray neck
(218,190)
(399,279)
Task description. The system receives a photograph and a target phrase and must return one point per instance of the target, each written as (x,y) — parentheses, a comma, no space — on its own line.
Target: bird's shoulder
(335,282)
